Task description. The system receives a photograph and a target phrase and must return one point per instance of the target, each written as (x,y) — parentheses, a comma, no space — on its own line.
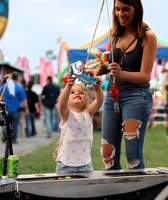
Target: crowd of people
(25,106)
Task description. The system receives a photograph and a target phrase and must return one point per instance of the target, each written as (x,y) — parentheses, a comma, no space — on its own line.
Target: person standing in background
(15,97)
(49,97)
(22,112)
(33,104)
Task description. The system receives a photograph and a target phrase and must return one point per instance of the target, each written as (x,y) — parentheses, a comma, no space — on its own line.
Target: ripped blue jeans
(135,107)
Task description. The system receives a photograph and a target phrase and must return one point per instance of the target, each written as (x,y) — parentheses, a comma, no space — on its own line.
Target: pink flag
(46,69)
(23,62)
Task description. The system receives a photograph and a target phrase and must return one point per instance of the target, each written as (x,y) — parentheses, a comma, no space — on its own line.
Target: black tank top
(130,61)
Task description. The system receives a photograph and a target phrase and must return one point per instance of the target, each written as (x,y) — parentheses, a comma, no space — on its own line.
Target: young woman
(132,47)
(74,149)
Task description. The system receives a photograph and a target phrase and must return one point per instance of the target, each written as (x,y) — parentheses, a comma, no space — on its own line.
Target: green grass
(155,153)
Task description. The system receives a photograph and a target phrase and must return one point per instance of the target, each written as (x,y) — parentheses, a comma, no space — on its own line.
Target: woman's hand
(115,70)
(91,72)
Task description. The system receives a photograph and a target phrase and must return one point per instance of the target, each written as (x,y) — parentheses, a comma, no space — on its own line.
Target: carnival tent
(162,53)
(80,53)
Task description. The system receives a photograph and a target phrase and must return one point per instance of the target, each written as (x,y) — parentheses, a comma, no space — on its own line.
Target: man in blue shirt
(15,98)
(49,97)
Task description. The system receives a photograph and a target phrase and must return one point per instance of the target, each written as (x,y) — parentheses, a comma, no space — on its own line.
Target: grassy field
(155,152)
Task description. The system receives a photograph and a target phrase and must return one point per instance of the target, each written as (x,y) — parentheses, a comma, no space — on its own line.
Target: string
(95,30)
(108,14)
(114,91)
(112,54)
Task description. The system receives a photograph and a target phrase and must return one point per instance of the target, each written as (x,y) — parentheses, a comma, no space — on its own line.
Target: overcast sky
(35,25)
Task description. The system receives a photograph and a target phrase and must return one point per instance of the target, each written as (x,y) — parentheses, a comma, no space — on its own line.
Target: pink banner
(46,69)
(24,63)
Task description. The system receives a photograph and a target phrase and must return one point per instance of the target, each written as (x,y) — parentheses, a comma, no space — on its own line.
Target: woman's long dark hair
(138,25)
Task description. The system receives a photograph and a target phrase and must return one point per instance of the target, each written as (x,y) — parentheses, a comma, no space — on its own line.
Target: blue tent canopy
(78,55)
(162,53)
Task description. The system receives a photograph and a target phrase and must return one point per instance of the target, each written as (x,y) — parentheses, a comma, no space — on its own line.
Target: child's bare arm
(99,98)
(63,99)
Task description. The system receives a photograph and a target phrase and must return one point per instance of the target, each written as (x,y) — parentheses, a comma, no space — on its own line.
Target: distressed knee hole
(131,128)
(108,153)
(133,164)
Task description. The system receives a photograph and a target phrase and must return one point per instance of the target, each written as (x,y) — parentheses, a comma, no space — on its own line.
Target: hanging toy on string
(101,58)
(86,79)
